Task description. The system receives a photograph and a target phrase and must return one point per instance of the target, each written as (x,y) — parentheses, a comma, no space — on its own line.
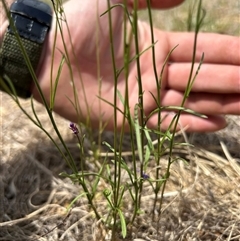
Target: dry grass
(222,17)
(201,201)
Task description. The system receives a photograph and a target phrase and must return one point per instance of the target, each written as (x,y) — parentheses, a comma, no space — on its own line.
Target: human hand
(214,93)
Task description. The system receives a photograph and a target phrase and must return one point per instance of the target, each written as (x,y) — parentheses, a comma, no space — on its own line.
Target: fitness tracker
(32,20)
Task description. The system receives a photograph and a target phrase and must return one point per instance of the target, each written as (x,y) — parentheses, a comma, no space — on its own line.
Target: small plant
(116,190)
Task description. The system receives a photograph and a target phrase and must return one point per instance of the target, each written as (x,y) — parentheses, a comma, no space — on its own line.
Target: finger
(211,78)
(204,103)
(191,123)
(217,48)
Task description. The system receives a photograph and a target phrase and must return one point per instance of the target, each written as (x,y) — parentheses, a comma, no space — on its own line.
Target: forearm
(3,18)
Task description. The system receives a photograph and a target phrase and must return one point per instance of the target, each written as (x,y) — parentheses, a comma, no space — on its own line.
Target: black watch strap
(32,20)
(14,66)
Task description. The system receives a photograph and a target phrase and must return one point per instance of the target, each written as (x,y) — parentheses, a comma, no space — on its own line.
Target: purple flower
(74,128)
(145,176)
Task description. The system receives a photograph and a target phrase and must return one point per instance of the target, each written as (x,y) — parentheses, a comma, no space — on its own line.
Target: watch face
(33,9)
(29,29)
(32,19)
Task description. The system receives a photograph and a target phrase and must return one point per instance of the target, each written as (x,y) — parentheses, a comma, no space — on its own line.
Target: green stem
(117,164)
(199,20)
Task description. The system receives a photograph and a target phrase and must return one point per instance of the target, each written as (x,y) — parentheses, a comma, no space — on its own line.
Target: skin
(215,93)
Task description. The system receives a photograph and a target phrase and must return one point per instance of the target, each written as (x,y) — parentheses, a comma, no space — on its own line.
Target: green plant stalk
(160,140)
(158,81)
(126,107)
(51,71)
(101,124)
(139,77)
(58,9)
(158,100)
(190,16)
(140,98)
(199,20)
(127,44)
(127,61)
(117,164)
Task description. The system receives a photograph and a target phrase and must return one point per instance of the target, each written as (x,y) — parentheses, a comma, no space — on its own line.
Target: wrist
(31,22)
